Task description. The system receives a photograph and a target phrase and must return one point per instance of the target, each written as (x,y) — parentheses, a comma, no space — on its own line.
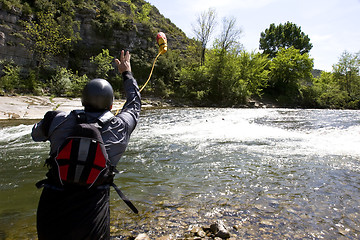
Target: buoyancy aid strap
(125,199)
(48,118)
(45,183)
(80,116)
(104,118)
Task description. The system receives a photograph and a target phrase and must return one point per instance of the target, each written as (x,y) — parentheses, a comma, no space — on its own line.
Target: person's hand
(124,63)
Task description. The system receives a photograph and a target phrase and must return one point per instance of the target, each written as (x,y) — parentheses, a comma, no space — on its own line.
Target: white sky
(332,25)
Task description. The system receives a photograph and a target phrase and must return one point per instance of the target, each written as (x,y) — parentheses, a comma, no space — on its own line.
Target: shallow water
(267,173)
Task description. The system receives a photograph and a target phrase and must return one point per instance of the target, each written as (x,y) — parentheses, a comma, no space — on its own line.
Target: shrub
(60,82)
(11,76)
(103,61)
(66,83)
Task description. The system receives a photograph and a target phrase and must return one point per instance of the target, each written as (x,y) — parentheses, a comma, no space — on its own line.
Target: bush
(77,85)
(32,85)
(194,82)
(65,83)
(103,62)
(10,79)
(60,83)
(287,71)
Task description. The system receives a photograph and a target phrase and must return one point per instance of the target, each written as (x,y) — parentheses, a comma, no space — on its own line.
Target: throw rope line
(162,42)
(142,88)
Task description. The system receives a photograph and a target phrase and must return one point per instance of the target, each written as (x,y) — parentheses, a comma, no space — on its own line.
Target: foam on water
(9,134)
(239,126)
(283,166)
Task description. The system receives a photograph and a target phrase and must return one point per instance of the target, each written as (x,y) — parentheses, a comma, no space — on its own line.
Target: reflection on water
(267,173)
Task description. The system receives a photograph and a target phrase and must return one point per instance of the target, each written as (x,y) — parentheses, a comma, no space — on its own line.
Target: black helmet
(98,95)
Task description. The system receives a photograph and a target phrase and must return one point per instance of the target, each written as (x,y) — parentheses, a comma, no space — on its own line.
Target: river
(266,173)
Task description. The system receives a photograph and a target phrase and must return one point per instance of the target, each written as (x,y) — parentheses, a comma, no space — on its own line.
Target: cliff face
(137,37)
(12,45)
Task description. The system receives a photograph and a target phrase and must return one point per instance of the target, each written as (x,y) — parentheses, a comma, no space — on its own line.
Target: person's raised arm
(131,110)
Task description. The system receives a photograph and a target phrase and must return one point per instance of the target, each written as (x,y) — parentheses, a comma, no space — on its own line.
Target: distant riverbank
(34,107)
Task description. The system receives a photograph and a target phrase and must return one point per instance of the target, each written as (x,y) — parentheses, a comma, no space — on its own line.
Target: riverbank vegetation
(223,74)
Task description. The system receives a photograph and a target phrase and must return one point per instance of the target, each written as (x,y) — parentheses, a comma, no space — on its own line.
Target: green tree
(47,37)
(143,15)
(194,83)
(239,73)
(222,70)
(103,61)
(66,83)
(167,72)
(10,78)
(252,71)
(288,70)
(327,92)
(284,36)
(226,47)
(192,55)
(61,82)
(346,73)
(107,19)
(242,75)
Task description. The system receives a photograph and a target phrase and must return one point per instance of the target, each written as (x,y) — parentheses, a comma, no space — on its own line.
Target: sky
(333,26)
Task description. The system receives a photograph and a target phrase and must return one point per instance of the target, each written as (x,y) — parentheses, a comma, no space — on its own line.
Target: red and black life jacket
(81,159)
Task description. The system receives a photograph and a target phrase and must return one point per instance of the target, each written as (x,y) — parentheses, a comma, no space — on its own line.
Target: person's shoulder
(58,117)
(51,115)
(105,117)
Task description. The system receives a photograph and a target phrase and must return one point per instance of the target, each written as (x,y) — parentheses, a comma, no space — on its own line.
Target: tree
(346,73)
(284,36)
(203,29)
(143,14)
(67,83)
(9,76)
(252,71)
(48,37)
(287,71)
(226,46)
(167,72)
(229,36)
(328,93)
(103,63)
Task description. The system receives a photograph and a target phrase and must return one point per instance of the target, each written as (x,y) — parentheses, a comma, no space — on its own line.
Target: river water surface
(266,173)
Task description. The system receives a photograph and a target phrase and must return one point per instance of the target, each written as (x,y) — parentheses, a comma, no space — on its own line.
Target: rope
(150,72)
(142,88)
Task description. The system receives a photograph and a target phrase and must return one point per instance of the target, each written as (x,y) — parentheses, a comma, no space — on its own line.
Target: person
(82,213)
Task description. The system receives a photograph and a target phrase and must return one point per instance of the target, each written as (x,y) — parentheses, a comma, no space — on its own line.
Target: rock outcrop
(135,36)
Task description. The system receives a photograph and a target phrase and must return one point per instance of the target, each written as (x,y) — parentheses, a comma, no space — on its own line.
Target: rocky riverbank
(216,231)
(34,107)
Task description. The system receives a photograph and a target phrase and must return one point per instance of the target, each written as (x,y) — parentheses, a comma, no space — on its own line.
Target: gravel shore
(34,107)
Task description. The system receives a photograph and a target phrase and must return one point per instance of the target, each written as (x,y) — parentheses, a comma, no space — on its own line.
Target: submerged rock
(142,236)
(216,230)
(219,229)
(168,237)
(198,232)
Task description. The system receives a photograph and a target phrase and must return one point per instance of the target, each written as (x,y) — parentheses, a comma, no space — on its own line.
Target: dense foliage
(284,36)
(224,74)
